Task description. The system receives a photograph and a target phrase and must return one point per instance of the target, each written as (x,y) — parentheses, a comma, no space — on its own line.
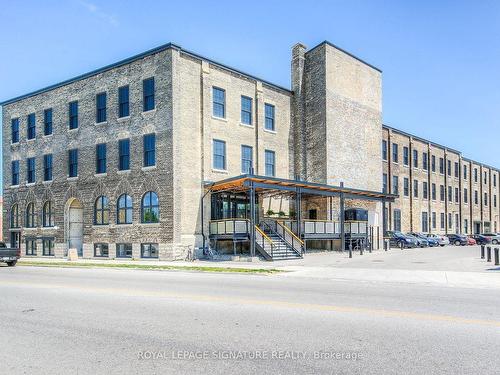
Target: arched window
(124,211)
(101,211)
(150,210)
(48,214)
(14,216)
(30,215)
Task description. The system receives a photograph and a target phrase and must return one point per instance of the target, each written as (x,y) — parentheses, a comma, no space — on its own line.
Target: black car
(396,239)
(458,239)
(481,240)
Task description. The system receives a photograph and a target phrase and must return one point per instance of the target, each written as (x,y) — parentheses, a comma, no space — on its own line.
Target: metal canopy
(267,184)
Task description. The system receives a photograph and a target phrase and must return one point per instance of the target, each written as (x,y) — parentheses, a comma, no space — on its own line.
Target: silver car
(494,237)
(442,240)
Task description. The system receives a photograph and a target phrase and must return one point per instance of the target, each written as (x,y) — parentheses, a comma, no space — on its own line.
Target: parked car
(442,240)
(495,238)
(458,239)
(471,240)
(396,239)
(430,240)
(481,240)
(421,242)
(9,255)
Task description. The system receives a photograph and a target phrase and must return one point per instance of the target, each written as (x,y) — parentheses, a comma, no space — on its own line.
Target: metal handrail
(264,237)
(294,239)
(293,234)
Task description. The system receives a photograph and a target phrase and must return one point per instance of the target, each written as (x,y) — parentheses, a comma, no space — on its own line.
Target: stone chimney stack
(298,164)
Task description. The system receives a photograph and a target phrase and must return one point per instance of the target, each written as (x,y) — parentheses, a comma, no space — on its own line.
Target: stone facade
(328,129)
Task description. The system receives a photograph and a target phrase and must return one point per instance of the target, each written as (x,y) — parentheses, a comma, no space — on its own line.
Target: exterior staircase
(272,246)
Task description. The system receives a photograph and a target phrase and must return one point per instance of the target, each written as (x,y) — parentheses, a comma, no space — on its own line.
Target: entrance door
(75,226)
(477,227)
(14,240)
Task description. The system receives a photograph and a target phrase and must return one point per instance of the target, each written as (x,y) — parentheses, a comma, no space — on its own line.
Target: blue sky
(440,59)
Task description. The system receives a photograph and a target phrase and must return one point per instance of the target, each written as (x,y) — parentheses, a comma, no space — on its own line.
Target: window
(101,211)
(47,167)
(149,144)
(441,193)
(406,187)
(219,102)
(100,107)
(31,127)
(124,154)
(433,163)
(495,180)
(450,194)
(246,110)
(269,113)
(30,215)
(123,102)
(441,165)
(47,215)
(47,121)
(465,195)
(395,185)
(466,226)
(476,197)
(14,216)
(442,223)
(30,246)
(425,222)
(415,188)
(270,159)
(495,201)
(448,167)
(433,191)
(384,183)
(73,115)
(30,172)
(485,178)
(457,172)
(424,161)
(457,199)
(246,159)
(150,208)
(149,250)
(397,219)
(15,172)
(425,190)
(148,94)
(465,172)
(48,247)
(395,153)
(433,220)
(450,223)
(384,150)
(219,150)
(485,199)
(73,163)
(124,211)
(475,174)
(405,155)
(415,159)
(124,250)
(101,250)
(14,127)
(100,158)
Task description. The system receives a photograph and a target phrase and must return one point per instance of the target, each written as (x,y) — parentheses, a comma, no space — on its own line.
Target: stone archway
(73,225)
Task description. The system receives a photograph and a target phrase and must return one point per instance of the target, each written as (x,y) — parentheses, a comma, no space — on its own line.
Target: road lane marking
(259,302)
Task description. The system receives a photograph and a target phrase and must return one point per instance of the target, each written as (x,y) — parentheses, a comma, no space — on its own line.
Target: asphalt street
(111,321)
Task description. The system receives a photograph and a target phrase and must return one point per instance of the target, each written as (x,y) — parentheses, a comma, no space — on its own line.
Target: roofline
(438,145)
(131,59)
(347,53)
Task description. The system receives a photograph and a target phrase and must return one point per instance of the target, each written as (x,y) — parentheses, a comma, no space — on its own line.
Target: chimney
(298,123)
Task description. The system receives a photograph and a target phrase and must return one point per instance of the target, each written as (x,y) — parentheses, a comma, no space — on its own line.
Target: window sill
(15,144)
(270,131)
(31,140)
(104,174)
(250,126)
(30,229)
(73,130)
(95,226)
(72,178)
(123,119)
(150,224)
(124,171)
(14,186)
(150,168)
(49,228)
(222,171)
(219,118)
(101,123)
(47,135)
(149,113)
(48,182)
(30,183)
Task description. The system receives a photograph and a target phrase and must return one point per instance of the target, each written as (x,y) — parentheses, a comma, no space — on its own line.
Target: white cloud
(98,12)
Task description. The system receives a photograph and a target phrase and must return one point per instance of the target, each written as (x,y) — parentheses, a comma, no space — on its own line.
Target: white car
(442,240)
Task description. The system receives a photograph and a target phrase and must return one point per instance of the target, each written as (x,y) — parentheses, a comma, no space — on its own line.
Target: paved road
(95,321)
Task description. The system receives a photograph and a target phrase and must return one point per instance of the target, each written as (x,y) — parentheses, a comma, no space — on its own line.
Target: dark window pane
(148,87)
(123,101)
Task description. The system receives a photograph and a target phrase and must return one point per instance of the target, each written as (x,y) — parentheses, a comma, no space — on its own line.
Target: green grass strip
(151,267)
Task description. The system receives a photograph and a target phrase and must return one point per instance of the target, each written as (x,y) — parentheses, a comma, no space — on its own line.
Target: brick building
(138,159)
